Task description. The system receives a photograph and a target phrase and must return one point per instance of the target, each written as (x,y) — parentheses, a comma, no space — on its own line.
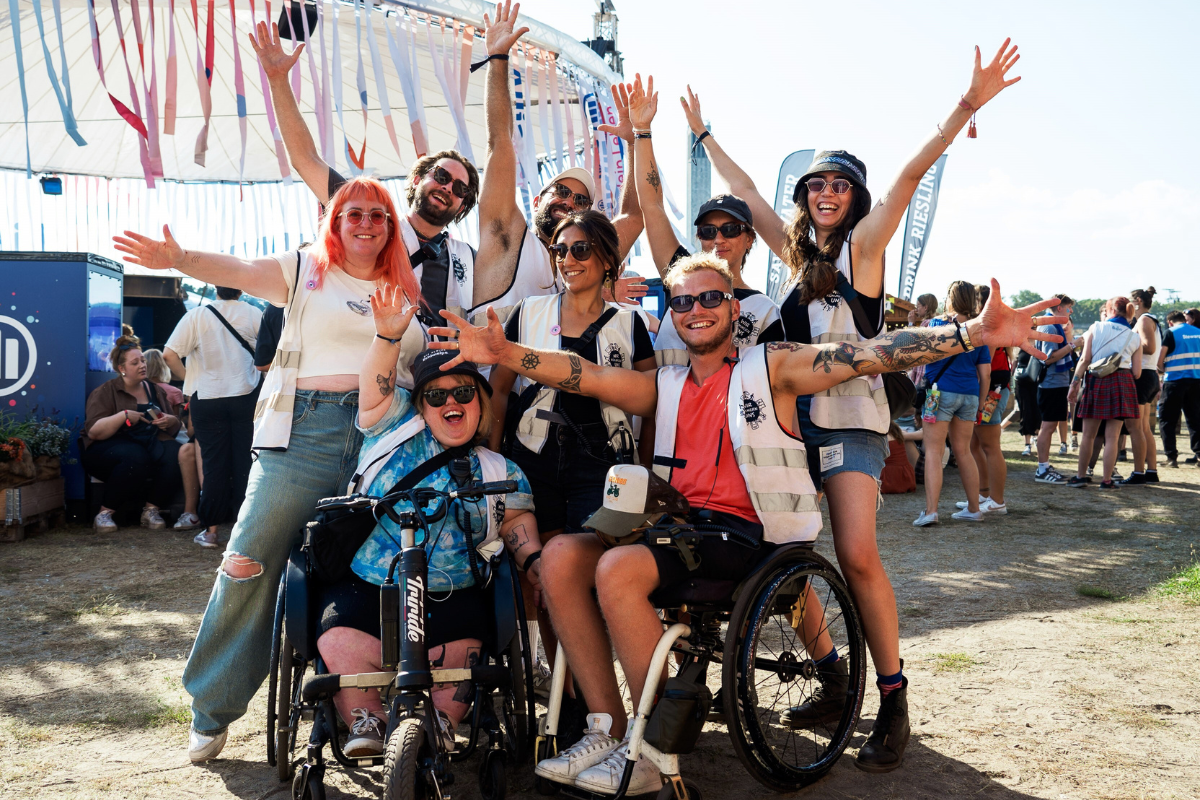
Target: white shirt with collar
(217,365)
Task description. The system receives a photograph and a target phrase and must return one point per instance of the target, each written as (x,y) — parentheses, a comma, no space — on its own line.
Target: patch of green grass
(953,662)
(107,606)
(914,611)
(1184,584)
(175,714)
(1099,592)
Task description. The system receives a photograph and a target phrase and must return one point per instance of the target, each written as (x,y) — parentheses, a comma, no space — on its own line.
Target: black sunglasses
(817,185)
(437,397)
(728,230)
(682,303)
(562,192)
(581,250)
(441,176)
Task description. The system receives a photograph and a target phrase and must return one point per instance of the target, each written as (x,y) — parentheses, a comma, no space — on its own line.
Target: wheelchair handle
(476,490)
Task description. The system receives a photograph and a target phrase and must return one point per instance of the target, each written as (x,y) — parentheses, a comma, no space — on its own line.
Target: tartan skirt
(1111,397)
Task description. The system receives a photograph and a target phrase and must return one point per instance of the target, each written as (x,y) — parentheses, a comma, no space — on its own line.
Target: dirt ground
(1043,661)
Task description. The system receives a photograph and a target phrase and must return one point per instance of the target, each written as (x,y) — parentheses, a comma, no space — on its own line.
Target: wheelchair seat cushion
(723,565)
(354,603)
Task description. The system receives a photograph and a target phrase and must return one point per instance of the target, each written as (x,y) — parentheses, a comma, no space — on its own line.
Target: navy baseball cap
(733,206)
(427,367)
(833,161)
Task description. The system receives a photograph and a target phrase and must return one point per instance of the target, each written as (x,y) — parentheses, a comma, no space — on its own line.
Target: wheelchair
(415,761)
(761,632)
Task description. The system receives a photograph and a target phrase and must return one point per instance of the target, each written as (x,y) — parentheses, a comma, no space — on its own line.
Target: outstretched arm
(643,105)
(629,390)
(498,211)
(767,223)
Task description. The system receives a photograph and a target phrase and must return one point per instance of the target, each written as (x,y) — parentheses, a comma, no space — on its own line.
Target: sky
(1085,178)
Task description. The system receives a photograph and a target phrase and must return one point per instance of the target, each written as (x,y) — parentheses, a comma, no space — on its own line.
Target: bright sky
(1084,176)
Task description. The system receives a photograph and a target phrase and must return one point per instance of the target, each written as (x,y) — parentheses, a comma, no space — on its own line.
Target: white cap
(581,175)
(633,497)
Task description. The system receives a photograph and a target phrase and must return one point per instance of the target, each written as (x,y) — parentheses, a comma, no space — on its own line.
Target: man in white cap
(518,261)
(732,457)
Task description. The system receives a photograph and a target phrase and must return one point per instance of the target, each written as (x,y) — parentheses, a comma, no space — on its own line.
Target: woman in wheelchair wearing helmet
(402,430)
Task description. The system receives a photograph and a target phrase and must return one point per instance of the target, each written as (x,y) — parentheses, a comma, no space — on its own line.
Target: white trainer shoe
(605,777)
(587,752)
(366,735)
(967,515)
(152,519)
(104,522)
(187,521)
(994,508)
(982,501)
(203,748)
(925,519)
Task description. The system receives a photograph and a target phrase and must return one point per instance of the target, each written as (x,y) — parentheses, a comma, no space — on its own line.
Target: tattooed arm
(520,534)
(377,377)
(663,240)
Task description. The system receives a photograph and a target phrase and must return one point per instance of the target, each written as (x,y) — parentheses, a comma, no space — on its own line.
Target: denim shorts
(998,414)
(842,451)
(953,405)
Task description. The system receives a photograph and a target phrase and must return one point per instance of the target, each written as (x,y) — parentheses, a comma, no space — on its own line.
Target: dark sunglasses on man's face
(817,185)
(437,397)
(728,230)
(682,303)
(581,250)
(562,192)
(441,176)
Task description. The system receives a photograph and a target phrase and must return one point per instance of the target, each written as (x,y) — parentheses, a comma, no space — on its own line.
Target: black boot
(884,748)
(827,702)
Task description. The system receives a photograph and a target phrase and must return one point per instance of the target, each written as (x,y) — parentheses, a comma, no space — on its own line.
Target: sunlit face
(827,209)
(549,208)
(366,240)
(733,250)
(705,330)
(134,365)
(579,276)
(436,202)
(453,424)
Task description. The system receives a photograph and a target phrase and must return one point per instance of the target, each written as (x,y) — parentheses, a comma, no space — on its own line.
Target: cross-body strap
(850,295)
(245,345)
(593,330)
(428,467)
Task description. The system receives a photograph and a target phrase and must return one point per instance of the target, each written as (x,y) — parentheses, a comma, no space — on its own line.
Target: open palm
(989,81)
(643,103)
(691,109)
(499,36)
(624,127)
(481,344)
(391,311)
(150,253)
(1003,326)
(269,50)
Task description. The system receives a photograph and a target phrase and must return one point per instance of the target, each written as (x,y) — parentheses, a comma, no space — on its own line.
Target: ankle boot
(884,748)
(826,703)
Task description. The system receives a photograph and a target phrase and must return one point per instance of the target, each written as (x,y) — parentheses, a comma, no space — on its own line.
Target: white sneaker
(366,735)
(1026,451)
(925,519)
(982,501)
(202,748)
(605,777)
(104,522)
(1049,475)
(967,515)
(1062,449)
(187,520)
(595,745)
(152,519)
(994,508)
(205,539)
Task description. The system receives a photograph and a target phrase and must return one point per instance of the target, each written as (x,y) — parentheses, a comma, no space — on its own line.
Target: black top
(795,316)
(269,331)
(579,409)
(773,332)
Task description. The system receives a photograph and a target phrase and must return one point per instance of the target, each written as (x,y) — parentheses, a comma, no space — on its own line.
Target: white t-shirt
(1112,337)
(217,365)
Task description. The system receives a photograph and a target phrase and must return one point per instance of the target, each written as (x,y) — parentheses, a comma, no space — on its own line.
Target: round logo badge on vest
(831,301)
(613,356)
(745,329)
(753,410)
(460,271)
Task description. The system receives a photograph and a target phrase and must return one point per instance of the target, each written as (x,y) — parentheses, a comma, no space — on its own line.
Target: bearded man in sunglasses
(708,413)
(442,187)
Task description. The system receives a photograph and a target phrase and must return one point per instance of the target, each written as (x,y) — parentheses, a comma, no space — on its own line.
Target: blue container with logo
(60,314)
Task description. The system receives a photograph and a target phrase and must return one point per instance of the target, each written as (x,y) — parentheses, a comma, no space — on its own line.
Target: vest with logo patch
(1183,363)
(759,312)
(459,277)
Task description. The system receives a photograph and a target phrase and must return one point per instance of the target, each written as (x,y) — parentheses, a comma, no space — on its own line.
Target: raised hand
(1003,326)
(643,103)
(269,50)
(989,81)
(150,253)
(481,344)
(691,109)
(391,317)
(499,36)
(624,127)
(629,290)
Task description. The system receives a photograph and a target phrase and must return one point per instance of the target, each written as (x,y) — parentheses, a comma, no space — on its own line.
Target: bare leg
(1045,434)
(980,461)
(191,479)
(1148,437)
(349,651)
(960,440)
(545,624)
(1112,433)
(459,654)
(1137,440)
(1086,443)
(935,446)
(996,468)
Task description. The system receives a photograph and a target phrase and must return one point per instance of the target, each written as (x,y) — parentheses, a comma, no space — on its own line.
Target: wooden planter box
(34,506)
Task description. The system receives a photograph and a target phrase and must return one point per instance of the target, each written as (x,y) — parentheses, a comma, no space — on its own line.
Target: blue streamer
(64,104)
(14,13)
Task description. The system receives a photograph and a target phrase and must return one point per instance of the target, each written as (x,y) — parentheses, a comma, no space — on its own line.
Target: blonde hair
(961,298)
(698,263)
(156,368)
(486,418)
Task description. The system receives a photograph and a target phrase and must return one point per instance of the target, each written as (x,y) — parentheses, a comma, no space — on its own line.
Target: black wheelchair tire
(515,713)
(273,677)
(281,716)
(544,786)
(402,778)
(756,606)
(493,775)
(667,792)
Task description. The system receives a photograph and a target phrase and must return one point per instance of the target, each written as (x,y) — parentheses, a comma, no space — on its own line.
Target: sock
(1043,466)
(828,660)
(889,683)
(1151,472)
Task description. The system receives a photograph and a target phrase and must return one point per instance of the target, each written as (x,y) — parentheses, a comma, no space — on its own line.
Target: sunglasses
(681,304)
(562,192)
(581,250)
(817,185)
(444,178)
(728,230)
(437,397)
(355,217)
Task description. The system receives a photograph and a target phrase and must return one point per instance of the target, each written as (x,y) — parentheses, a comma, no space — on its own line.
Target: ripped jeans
(232,653)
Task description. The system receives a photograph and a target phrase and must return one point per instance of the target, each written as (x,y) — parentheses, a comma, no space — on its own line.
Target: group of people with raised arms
(541,342)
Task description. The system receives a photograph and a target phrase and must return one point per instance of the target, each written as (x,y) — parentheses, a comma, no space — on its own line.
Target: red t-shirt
(711,478)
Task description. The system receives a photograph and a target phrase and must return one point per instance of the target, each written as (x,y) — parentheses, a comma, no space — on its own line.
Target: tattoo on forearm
(571,382)
(653,179)
(196,258)
(843,353)
(908,348)
(530,360)
(517,538)
(386,386)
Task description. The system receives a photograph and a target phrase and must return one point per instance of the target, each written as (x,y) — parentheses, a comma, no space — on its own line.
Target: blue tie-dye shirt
(446,547)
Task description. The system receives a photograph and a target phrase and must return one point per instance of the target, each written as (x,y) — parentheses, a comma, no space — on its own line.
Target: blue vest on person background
(1184,361)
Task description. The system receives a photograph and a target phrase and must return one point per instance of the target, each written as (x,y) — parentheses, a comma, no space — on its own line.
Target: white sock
(1043,466)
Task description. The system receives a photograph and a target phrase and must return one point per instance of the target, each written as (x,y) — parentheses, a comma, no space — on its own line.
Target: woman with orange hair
(304,425)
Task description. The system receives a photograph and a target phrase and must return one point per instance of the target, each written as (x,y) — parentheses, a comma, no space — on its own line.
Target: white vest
(459,277)
(493,466)
(773,463)
(614,346)
(859,403)
(759,312)
(1150,360)
(533,277)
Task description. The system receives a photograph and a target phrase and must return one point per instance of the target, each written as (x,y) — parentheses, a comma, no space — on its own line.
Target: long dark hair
(1145,297)
(601,235)
(815,266)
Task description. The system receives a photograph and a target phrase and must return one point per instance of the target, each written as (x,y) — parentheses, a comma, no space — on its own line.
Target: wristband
(963,104)
(128,424)
(960,331)
(641,135)
(700,139)
(386,339)
(496,57)
(529,561)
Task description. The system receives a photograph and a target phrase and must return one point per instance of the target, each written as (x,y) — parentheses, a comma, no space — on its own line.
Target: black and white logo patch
(498,510)
(753,410)
(745,330)
(613,356)
(460,271)
(831,301)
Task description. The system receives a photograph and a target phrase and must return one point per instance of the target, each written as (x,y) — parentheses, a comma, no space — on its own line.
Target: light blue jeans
(232,653)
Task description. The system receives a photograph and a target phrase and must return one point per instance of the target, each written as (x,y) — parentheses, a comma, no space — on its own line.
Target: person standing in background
(222,382)
(1052,392)
(1180,360)
(267,343)
(1146,326)
(985,441)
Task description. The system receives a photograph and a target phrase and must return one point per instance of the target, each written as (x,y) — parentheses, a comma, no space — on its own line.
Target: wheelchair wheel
(515,712)
(493,777)
(768,670)
(282,681)
(667,792)
(402,772)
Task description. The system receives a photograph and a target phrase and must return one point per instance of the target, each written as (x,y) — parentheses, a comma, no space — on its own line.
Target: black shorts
(450,616)
(719,559)
(566,480)
(1147,386)
(1052,404)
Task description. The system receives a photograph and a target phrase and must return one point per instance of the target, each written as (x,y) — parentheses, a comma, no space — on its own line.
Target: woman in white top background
(304,424)
(1146,326)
